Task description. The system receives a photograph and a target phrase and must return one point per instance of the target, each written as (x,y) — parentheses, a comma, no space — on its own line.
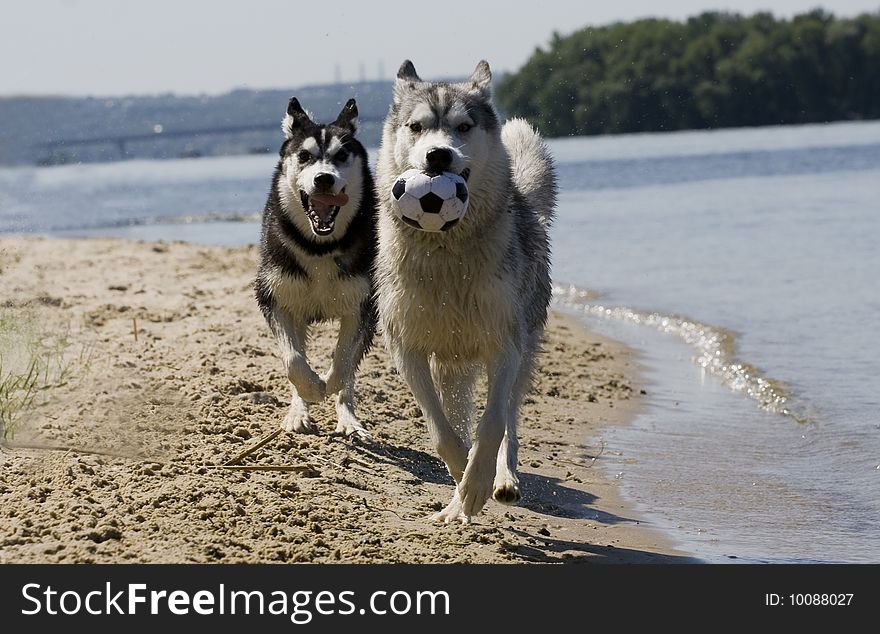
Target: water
(768,238)
(741,264)
(117,195)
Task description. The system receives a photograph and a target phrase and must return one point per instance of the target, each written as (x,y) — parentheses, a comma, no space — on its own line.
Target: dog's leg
(506,485)
(291,336)
(350,349)
(298,419)
(476,485)
(452,512)
(456,386)
(347,422)
(305,384)
(347,354)
(416,371)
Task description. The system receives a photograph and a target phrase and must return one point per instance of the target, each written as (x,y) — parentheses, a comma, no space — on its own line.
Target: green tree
(712,70)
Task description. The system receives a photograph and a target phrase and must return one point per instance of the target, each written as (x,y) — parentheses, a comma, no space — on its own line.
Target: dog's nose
(324,180)
(439,159)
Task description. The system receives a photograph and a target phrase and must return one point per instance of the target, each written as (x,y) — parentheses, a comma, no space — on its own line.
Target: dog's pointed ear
(348,116)
(407,72)
(295,118)
(481,78)
(407,77)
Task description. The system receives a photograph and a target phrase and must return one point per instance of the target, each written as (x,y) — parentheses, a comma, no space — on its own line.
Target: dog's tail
(532,167)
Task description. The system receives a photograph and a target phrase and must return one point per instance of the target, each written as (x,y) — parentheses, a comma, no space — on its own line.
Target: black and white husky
(475,296)
(317,250)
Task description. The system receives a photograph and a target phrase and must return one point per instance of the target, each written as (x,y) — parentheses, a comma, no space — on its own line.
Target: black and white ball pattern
(430,203)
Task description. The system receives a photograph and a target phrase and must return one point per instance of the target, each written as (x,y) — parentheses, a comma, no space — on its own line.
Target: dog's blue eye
(415,127)
(304,156)
(464,127)
(342,155)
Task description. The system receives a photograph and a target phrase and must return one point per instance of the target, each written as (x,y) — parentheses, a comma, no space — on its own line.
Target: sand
(172,372)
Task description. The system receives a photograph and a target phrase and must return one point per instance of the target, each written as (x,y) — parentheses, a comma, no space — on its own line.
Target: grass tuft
(32,364)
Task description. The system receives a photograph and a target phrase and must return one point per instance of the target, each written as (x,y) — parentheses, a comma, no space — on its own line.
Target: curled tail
(532,167)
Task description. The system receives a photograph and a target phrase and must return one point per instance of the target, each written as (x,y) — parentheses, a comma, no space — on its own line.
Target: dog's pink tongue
(323,204)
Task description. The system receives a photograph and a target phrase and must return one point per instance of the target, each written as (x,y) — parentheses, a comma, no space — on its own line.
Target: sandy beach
(170,372)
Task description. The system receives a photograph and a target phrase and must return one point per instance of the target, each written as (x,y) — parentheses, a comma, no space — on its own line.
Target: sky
(107,47)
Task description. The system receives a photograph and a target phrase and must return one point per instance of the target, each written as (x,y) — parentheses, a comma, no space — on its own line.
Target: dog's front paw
(476,485)
(298,420)
(452,512)
(506,489)
(351,426)
(348,423)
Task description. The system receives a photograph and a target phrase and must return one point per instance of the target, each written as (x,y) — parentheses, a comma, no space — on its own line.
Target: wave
(714,347)
(181,220)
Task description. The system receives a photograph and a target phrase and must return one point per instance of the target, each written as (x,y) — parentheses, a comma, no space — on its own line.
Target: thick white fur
(532,175)
(453,303)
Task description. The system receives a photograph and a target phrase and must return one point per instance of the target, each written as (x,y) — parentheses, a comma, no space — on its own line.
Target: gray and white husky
(317,249)
(475,296)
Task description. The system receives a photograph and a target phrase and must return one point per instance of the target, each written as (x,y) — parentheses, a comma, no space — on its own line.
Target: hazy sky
(107,47)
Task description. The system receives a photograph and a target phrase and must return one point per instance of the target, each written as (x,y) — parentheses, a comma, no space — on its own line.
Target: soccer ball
(429,203)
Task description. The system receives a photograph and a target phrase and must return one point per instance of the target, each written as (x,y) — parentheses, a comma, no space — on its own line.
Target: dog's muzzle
(322,209)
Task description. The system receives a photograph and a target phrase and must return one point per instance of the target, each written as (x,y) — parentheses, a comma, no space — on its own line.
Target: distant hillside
(48,130)
(713,70)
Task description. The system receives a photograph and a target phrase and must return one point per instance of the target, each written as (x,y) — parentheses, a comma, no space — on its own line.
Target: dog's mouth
(322,209)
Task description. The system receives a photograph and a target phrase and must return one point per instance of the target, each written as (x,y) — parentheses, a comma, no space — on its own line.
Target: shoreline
(201,383)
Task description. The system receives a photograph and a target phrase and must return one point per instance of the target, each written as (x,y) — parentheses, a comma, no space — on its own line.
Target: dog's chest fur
(325,292)
(455,303)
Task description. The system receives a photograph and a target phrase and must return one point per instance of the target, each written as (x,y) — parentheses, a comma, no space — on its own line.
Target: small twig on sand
(329,462)
(596,457)
(355,461)
(134,327)
(247,452)
(348,462)
(381,508)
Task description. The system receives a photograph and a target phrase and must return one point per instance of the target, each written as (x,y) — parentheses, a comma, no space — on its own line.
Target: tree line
(712,70)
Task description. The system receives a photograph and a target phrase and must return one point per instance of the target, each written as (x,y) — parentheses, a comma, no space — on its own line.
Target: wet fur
(473,298)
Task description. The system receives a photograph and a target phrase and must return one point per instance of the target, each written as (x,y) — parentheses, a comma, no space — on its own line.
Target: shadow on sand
(422,465)
(543,495)
(563,551)
(548,496)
